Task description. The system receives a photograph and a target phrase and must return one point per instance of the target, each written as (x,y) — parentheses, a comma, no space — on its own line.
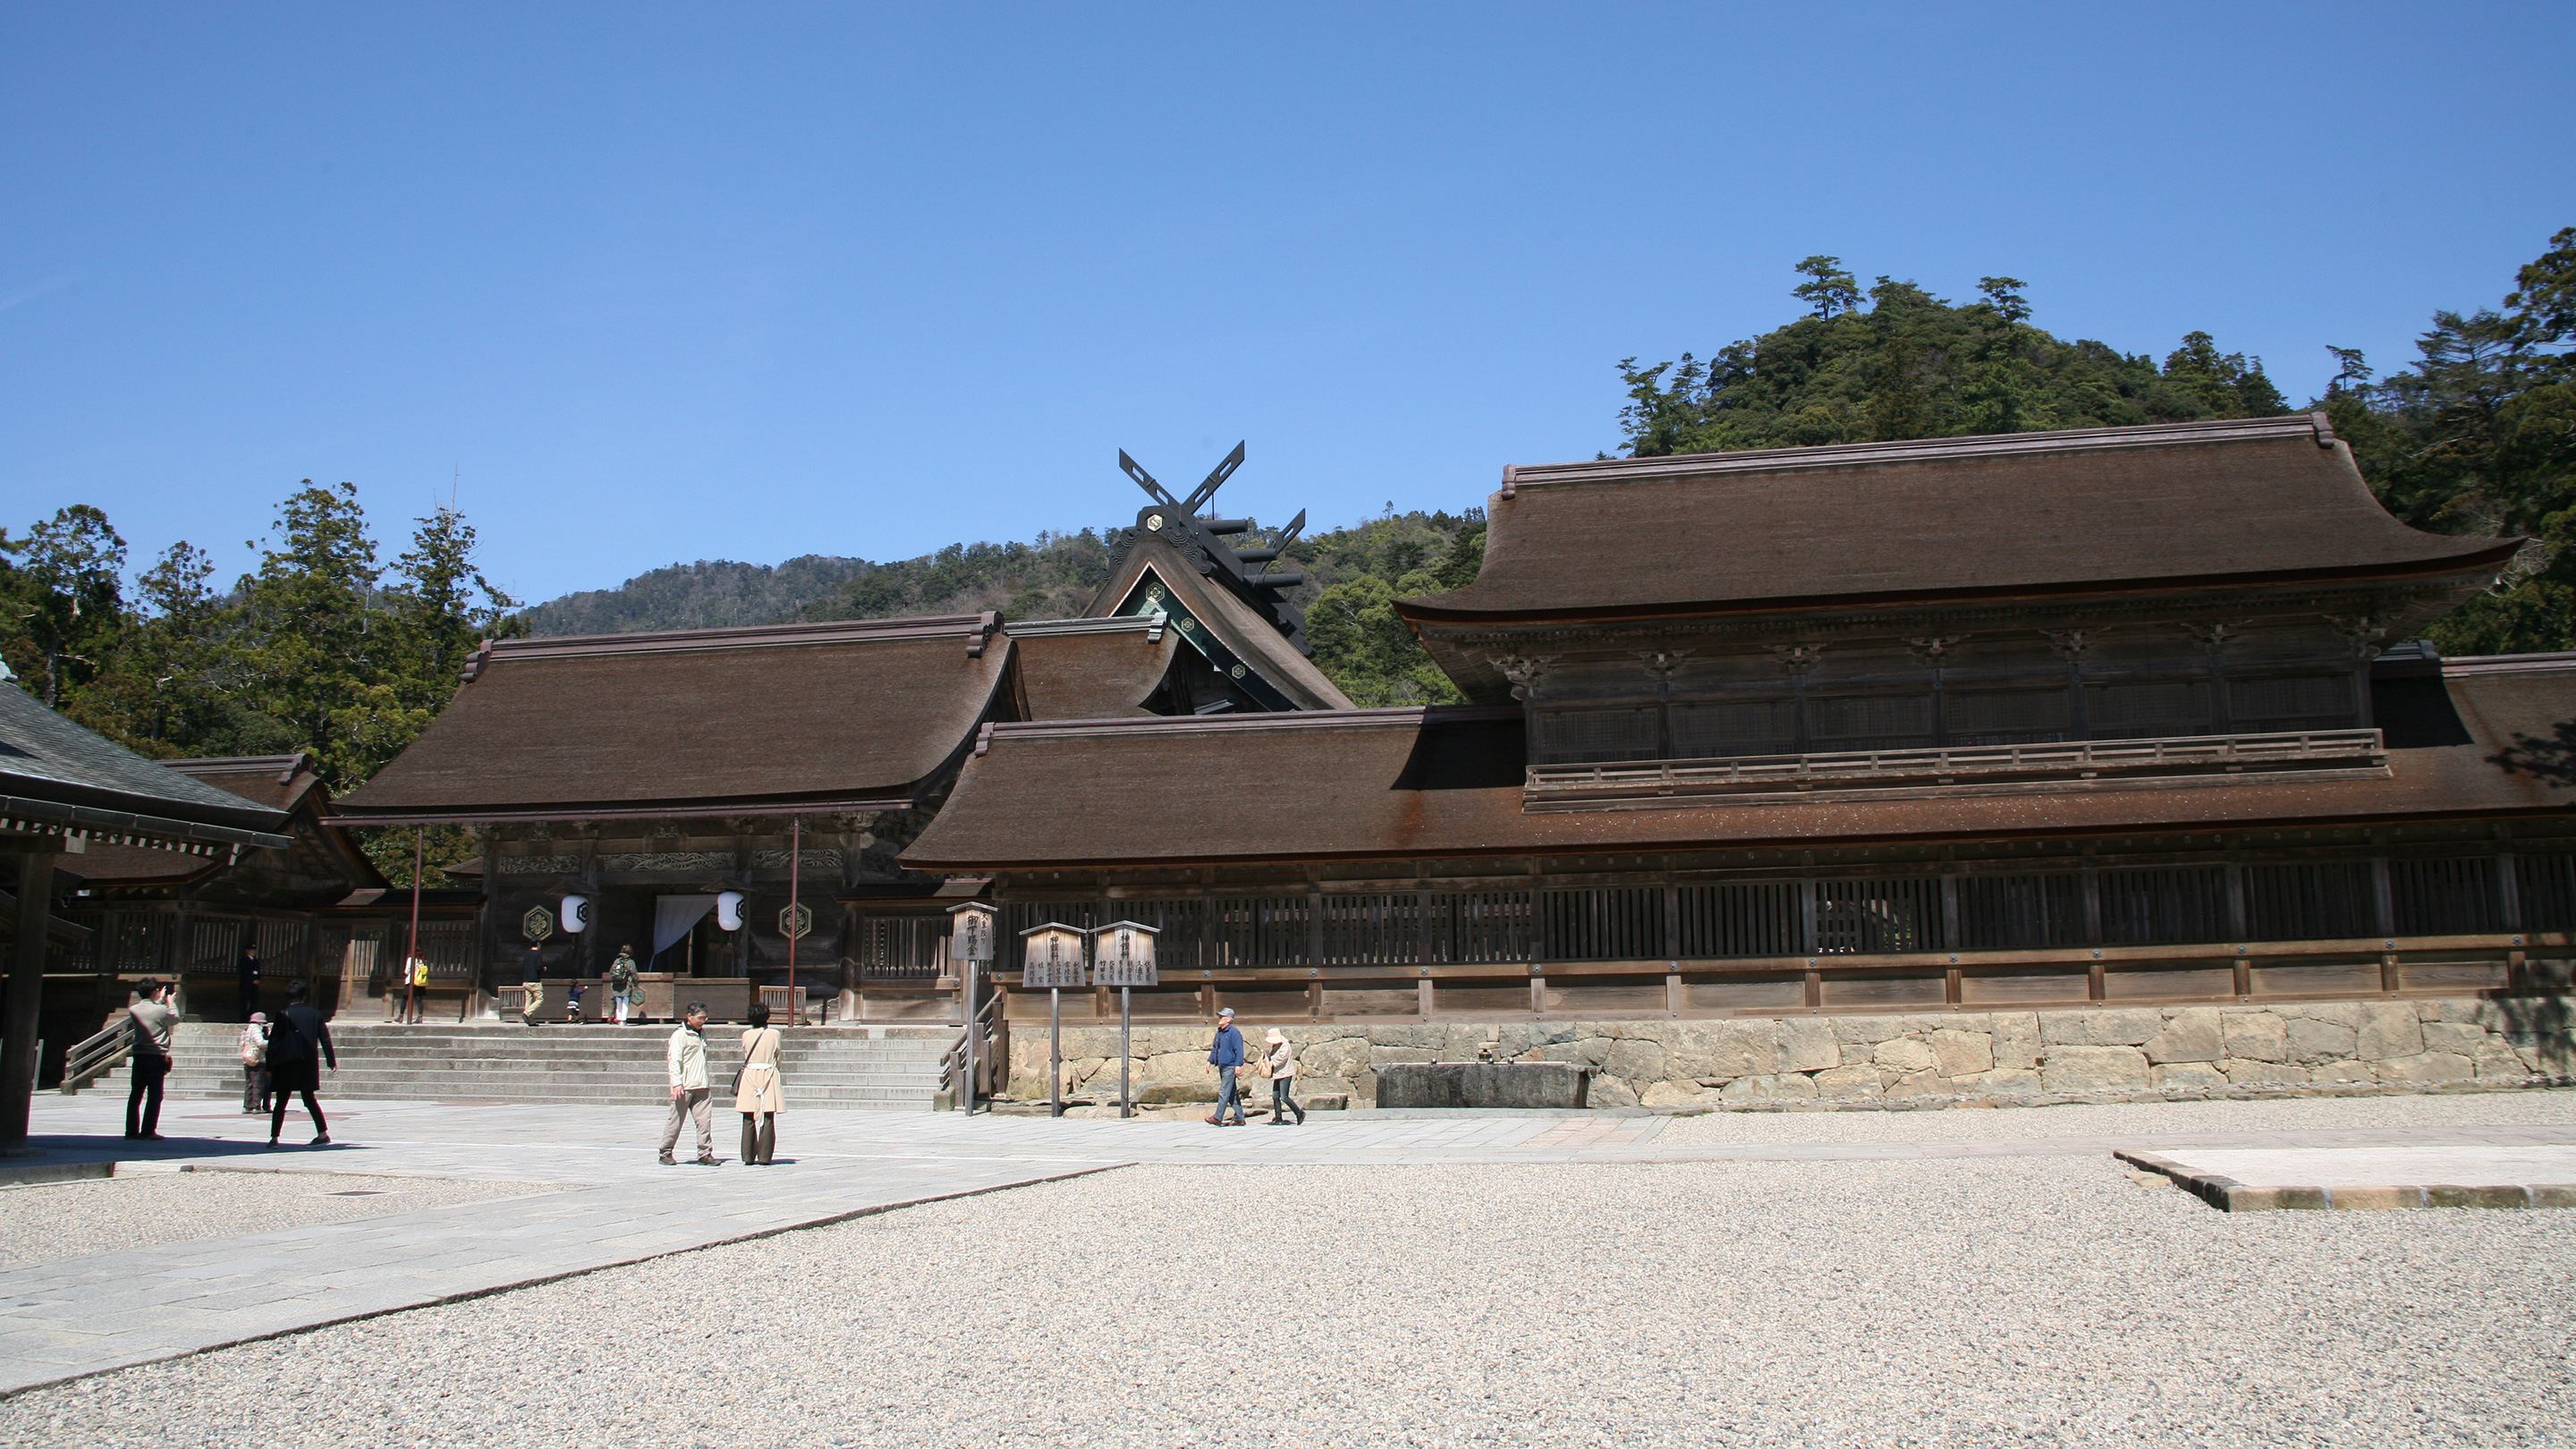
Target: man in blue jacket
(1226,1055)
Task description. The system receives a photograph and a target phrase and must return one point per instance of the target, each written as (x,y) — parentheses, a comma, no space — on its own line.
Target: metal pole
(419,839)
(795,862)
(1124,1095)
(1055,1048)
(966,970)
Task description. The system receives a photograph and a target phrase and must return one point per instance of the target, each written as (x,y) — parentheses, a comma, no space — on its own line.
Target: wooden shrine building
(2116,715)
(697,794)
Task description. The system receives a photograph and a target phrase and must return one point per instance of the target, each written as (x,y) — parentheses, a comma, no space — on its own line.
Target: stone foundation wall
(1926,1059)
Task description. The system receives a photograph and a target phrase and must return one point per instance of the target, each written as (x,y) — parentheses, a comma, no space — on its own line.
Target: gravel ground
(1969,1303)
(2555,1107)
(53,1221)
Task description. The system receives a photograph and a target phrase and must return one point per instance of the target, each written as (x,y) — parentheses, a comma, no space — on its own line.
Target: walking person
(756,1091)
(246,975)
(572,1003)
(299,1043)
(1282,1062)
(686,1058)
(149,1065)
(534,1001)
(1226,1055)
(254,1055)
(416,979)
(621,982)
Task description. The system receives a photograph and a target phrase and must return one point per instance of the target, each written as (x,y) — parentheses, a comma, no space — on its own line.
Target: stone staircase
(863,1068)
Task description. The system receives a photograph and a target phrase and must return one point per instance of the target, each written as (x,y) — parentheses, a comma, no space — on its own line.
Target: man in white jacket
(686,1057)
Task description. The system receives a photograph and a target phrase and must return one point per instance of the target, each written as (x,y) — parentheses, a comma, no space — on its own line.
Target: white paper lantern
(576,914)
(729,910)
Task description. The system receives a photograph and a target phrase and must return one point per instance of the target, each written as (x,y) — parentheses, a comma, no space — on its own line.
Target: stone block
(2377,1199)
(1611,1092)
(2100,1028)
(1522,1085)
(1902,1055)
(2346,1014)
(1913,1084)
(2428,1067)
(1742,1047)
(1847,1083)
(2446,1195)
(1865,1030)
(1423,1040)
(2246,1073)
(2188,1076)
(2009,1081)
(2388,1029)
(2093,1068)
(1791,1087)
(1588,1050)
(2344,1071)
(2319,1041)
(2457,1009)
(1804,1044)
(2016,1038)
(1634,1060)
(1962,1053)
(2253,1036)
(2496,1061)
(2550,1054)
(1672,1094)
(1380,1056)
(2191,1036)
(2553,1194)
(2445,1036)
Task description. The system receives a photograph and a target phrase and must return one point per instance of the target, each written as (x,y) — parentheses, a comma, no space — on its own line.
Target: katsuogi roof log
(2015,515)
(853,715)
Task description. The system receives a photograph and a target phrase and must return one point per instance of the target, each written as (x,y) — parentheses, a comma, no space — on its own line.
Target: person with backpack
(621,982)
(416,972)
(149,1065)
(254,1055)
(299,1043)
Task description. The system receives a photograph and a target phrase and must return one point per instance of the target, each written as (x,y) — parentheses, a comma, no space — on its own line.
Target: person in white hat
(1283,1076)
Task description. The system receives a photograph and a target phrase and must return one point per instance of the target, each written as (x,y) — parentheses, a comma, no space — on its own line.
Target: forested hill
(1910,365)
(702,595)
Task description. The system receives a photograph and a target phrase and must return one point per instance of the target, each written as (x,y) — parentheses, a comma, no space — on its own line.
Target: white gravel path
(49,1222)
(1950,1302)
(2464,1109)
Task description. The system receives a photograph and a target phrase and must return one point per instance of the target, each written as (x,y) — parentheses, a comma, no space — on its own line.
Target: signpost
(1051,956)
(970,939)
(1122,955)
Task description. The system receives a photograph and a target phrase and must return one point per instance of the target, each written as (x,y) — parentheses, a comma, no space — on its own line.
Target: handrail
(1949,764)
(952,1064)
(96,1056)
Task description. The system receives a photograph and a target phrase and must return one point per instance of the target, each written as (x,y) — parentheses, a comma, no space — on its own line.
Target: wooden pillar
(2383,897)
(1422,996)
(1673,993)
(2508,890)
(24,998)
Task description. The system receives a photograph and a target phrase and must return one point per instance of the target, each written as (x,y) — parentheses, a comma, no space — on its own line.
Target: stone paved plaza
(1952,1277)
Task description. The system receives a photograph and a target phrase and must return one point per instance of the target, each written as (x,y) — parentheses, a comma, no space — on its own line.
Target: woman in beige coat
(756,1092)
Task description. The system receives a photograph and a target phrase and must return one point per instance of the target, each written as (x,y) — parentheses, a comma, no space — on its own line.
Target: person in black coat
(247,971)
(299,1045)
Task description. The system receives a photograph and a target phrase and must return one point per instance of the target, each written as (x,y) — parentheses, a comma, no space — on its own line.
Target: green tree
(2479,438)
(1910,365)
(66,600)
(315,640)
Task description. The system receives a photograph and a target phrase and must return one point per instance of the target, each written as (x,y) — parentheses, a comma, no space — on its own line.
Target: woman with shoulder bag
(756,1089)
(254,1055)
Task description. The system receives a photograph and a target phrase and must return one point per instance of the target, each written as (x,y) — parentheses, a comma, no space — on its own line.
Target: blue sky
(664,283)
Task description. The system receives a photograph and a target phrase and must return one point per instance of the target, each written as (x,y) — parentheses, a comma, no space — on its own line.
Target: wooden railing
(94,1057)
(991,1033)
(1652,784)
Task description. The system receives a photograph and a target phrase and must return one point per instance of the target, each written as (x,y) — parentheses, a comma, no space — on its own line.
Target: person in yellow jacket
(416,978)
